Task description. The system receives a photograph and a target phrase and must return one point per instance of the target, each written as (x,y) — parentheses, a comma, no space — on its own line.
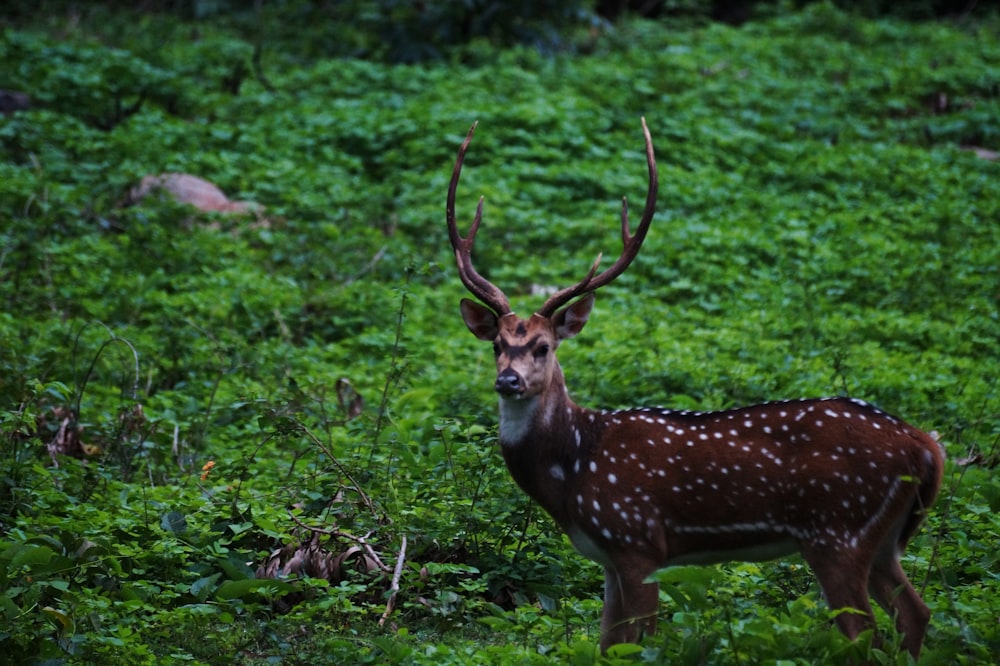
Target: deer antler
(480,287)
(631,242)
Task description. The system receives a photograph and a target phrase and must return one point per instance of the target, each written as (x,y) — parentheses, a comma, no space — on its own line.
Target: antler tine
(480,287)
(631,242)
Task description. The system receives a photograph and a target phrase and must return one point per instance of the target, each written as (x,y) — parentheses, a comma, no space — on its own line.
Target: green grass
(820,230)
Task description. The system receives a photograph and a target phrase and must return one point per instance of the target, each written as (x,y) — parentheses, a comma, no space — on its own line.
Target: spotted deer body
(837,480)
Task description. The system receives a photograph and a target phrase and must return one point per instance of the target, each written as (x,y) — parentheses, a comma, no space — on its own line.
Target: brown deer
(837,480)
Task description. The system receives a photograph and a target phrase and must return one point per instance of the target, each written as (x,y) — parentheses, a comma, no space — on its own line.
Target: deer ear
(570,320)
(480,319)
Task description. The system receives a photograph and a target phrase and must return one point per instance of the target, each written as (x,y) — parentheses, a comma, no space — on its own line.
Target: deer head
(527,369)
(837,480)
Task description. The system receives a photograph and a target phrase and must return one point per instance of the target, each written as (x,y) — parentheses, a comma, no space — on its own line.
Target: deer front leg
(630,606)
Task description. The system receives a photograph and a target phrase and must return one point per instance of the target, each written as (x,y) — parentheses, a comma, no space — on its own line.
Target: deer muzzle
(509,383)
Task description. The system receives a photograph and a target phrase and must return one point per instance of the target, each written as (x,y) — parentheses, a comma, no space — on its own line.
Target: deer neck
(542,440)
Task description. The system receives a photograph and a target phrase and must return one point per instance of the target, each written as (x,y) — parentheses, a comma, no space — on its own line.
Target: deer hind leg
(843,576)
(894,592)
(630,606)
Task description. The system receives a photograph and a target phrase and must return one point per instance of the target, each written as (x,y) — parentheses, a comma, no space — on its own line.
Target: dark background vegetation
(220,434)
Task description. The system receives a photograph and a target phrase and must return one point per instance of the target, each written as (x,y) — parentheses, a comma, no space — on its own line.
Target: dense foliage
(182,395)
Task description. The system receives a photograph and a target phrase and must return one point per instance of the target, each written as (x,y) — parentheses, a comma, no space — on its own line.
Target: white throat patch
(516,417)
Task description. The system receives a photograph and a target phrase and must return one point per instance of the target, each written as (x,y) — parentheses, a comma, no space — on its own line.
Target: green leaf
(174,521)
(10,609)
(245,589)
(30,554)
(202,587)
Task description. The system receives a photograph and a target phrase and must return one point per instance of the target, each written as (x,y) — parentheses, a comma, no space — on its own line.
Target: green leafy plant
(239,390)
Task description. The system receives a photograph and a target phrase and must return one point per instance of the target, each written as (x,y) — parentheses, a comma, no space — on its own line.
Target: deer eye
(496,349)
(541,351)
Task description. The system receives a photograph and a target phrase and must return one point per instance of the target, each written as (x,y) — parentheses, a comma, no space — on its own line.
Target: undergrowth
(190,400)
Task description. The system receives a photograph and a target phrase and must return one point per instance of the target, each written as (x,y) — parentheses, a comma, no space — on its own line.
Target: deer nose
(508,383)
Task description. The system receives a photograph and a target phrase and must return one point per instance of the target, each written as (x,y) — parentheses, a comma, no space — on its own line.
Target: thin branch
(112,339)
(367,268)
(394,585)
(396,371)
(367,501)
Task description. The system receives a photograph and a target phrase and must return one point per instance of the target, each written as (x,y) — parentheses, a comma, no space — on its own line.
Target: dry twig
(394,585)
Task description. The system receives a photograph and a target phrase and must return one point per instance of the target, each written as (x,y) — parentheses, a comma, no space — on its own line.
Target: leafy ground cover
(231,386)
